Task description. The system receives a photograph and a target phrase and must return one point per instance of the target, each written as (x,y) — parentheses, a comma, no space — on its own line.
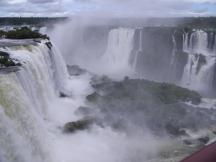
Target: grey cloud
(105,7)
(42,1)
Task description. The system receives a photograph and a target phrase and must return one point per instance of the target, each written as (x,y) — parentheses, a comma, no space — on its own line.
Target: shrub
(6,61)
(23,33)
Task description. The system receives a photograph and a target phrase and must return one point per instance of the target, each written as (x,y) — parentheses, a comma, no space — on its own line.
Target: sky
(121,8)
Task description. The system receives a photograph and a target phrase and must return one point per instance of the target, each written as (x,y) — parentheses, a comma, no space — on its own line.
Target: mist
(112,81)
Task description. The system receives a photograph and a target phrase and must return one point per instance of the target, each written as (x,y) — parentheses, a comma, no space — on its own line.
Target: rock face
(49,45)
(158,107)
(79,125)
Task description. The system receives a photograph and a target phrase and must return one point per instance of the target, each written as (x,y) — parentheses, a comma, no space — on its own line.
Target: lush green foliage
(165,92)
(170,93)
(6,61)
(22,33)
(39,21)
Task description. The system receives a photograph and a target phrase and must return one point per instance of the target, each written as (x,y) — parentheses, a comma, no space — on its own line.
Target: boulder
(79,125)
(175,131)
(62,95)
(204,140)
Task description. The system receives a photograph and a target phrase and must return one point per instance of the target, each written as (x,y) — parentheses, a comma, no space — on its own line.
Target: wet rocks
(63,95)
(204,140)
(196,142)
(79,125)
(49,45)
(175,131)
(93,97)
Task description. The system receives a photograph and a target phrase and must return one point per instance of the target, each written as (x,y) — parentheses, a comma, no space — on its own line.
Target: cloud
(108,7)
(42,1)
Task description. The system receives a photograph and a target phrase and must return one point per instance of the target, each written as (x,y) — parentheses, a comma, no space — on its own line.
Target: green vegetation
(198,22)
(6,61)
(159,106)
(22,33)
(130,88)
(38,21)
(2,33)
(170,93)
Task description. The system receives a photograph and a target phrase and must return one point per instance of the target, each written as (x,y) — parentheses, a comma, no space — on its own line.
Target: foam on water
(33,115)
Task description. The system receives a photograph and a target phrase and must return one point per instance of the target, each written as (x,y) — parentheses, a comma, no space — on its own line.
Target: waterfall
(185,41)
(199,70)
(60,70)
(25,98)
(173,59)
(174,51)
(139,51)
(118,52)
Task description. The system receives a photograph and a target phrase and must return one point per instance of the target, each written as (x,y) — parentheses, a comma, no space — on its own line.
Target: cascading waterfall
(32,114)
(140,49)
(173,59)
(199,70)
(25,98)
(167,54)
(185,41)
(119,47)
(60,70)
(173,52)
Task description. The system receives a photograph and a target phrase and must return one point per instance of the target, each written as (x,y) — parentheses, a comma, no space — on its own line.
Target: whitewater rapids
(32,115)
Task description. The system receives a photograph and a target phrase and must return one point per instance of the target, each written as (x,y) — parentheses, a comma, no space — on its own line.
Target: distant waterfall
(174,51)
(118,51)
(25,96)
(139,51)
(199,71)
(173,67)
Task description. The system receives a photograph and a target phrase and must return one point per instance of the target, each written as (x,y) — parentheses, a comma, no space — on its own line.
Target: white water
(113,60)
(140,49)
(32,115)
(116,59)
(202,79)
(24,99)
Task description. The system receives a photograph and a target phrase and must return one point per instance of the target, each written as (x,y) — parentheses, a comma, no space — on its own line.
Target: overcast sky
(108,7)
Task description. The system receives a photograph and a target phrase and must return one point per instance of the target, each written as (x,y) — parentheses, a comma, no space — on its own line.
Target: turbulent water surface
(130,123)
